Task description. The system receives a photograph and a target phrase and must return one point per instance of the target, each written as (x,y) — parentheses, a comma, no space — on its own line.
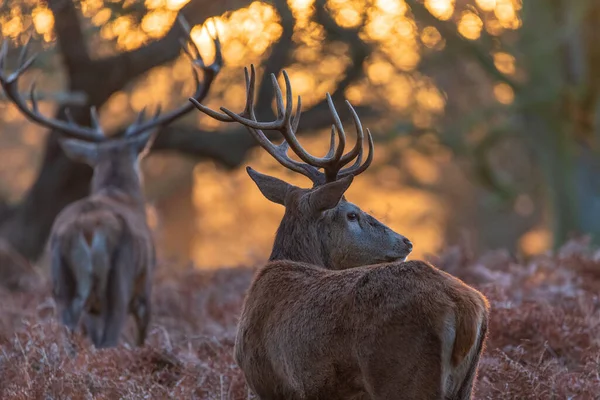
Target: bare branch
(449,31)
(132,64)
(69,34)
(278,59)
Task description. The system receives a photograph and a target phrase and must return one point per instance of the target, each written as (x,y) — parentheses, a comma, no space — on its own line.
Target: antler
(95,133)
(287,124)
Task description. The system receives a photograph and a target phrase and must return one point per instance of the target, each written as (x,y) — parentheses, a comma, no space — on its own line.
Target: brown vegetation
(543,341)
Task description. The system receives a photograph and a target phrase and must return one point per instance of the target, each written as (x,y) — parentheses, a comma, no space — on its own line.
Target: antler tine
(356,168)
(284,124)
(332,172)
(95,120)
(249,100)
(287,124)
(296,117)
(32,99)
(210,72)
(10,85)
(279,152)
(218,53)
(3,53)
(339,128)
(69,116)
(134,128)
(357,149)
(331,144)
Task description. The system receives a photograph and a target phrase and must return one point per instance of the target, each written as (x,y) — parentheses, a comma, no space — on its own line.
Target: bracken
(544,334)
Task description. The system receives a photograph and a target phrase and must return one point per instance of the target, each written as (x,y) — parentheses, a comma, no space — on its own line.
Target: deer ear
(329,195)
(272,188)
(80,151)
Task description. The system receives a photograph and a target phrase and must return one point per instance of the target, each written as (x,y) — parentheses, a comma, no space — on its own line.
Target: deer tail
(468,331)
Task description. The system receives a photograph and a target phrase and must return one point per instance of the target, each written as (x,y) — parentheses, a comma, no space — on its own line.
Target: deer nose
(408,244)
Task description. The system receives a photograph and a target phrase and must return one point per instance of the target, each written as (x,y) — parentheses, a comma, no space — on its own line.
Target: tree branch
(71,40)
(278,59)
(135,63)
(449,31)
(359,50)
(230,148)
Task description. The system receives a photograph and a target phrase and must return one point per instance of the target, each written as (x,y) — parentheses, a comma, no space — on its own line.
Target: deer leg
(141,313)
(80,268)
(94,327)
(64,289)
(115,312)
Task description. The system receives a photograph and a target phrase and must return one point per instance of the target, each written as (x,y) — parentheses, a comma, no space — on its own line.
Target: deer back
(308,332)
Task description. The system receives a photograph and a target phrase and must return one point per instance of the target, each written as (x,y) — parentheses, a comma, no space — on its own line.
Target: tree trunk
(60,182)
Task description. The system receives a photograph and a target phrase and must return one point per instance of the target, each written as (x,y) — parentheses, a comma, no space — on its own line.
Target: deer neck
(123,186)
(300,243)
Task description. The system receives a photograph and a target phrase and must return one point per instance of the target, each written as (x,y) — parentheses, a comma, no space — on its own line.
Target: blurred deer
(102,250)
(338,313)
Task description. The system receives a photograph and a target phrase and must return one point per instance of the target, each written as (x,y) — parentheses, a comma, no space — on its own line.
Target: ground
(544,335)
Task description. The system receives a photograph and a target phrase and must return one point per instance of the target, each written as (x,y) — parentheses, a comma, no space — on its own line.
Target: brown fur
(337,313)
(317,325)
(373,332)
(103,252)
(101,247)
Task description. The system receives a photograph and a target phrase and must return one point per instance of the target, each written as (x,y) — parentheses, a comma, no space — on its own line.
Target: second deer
(338,313)
(102,250)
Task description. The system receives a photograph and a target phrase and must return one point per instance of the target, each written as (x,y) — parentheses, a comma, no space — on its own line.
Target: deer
(102,250)
(338,312)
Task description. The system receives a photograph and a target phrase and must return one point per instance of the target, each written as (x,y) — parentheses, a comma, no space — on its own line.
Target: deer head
(115,160)
(319,225)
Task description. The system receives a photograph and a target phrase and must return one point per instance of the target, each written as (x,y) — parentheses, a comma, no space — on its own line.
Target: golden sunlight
(43,20)
(505,63)
(391,80)
(157,22)
(431,37)
(346,13)
(175,5)
(535,241)
(12,27)
(255,219)
(486,5)
(504,93)
(90,7)
(441,9)
(395,7)
(101,17)
(470,25)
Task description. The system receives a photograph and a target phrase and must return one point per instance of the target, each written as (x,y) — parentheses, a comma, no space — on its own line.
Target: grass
(544,336)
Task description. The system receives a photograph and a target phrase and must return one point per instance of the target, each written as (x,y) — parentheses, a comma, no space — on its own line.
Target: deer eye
(352,216)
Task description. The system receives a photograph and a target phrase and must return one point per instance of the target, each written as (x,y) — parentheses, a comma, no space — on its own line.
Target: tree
(25,226)
(555,110)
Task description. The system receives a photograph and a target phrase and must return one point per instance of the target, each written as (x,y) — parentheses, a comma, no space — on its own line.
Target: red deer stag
(338,313)
(102,250)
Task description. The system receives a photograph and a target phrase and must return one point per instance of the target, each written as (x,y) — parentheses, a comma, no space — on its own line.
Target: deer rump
(102,258)
(402,330)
